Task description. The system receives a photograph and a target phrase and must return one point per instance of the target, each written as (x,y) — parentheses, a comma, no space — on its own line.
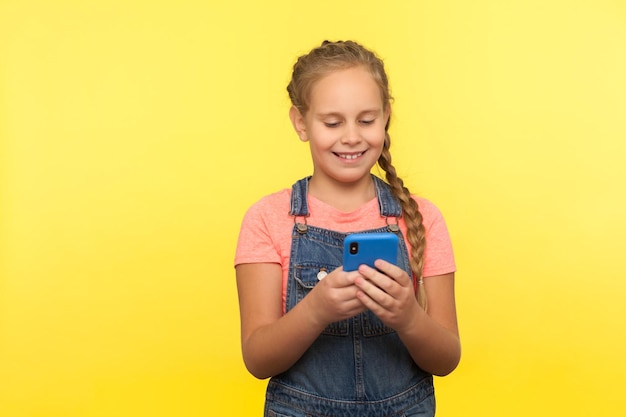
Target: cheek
(376,137)
(324,138)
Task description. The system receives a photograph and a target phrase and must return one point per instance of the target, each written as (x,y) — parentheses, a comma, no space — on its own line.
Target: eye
(367,122)
(332,125)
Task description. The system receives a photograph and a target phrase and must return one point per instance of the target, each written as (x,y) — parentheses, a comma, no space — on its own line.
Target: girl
(337,343)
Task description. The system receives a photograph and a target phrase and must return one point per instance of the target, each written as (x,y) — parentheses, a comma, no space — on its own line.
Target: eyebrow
(339,114)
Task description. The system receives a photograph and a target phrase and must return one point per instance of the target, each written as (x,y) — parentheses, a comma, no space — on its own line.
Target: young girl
(336,343)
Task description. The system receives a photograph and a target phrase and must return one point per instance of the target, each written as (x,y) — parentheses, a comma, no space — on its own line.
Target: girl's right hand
(334,297)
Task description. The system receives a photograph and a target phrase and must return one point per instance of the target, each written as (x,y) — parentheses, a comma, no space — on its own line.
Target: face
(345,126)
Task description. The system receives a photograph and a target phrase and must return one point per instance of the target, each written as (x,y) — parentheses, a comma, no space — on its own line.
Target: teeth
(351,156)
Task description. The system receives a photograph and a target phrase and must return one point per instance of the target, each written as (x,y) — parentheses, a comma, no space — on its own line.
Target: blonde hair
(333,56)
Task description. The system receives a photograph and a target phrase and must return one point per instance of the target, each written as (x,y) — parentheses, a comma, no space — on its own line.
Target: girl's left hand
(389,293)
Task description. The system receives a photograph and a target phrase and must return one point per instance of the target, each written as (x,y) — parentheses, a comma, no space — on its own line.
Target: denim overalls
(356,367)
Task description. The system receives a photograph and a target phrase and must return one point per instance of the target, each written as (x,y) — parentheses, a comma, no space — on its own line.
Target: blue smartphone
(365,248)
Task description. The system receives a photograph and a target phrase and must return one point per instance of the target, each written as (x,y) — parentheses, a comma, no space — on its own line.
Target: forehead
(346,88)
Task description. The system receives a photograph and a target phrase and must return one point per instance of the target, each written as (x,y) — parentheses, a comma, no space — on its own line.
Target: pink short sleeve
(438,255)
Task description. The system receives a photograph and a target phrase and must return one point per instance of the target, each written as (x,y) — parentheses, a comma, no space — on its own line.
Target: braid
(412,217)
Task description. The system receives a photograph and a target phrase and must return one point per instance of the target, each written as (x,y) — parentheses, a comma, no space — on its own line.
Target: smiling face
(344,125)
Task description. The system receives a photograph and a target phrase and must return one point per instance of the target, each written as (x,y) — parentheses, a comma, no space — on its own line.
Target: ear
(387,114)
(297,120)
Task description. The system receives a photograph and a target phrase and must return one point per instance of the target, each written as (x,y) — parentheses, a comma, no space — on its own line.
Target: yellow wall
(134,135)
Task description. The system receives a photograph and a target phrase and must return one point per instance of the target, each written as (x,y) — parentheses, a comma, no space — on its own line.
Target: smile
(349,155)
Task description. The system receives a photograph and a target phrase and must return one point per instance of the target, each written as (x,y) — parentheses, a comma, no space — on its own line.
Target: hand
(389,293)
(335,297)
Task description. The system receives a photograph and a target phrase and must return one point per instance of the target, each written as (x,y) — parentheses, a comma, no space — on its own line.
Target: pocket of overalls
(373,326)
(307,277)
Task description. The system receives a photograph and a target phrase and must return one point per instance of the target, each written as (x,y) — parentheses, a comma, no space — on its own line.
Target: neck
(342,196)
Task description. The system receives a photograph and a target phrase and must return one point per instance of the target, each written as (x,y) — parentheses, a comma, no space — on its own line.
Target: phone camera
(354,248)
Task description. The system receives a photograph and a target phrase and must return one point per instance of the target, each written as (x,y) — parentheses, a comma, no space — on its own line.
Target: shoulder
(270,213)
(265,230)
(429,211)
(438,255)
(271,204)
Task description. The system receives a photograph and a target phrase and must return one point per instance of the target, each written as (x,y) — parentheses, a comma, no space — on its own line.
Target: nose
(351,135)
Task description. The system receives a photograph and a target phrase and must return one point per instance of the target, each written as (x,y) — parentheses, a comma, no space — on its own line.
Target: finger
(373,291)
(379,279)
(368,300)
(338,278)
(393,271)
(397,286)
(348,301)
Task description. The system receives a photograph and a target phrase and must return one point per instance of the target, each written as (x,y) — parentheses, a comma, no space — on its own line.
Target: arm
(273,342)
(432,337)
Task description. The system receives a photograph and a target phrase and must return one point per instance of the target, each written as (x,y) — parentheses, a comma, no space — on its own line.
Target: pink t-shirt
(265,235)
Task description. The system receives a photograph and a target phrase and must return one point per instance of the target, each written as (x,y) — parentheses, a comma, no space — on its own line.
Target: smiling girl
(337,343)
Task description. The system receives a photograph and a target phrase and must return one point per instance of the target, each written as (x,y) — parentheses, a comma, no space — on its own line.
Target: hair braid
(412,218)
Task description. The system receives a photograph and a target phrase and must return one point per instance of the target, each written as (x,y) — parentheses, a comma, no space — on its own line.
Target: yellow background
(135,134)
